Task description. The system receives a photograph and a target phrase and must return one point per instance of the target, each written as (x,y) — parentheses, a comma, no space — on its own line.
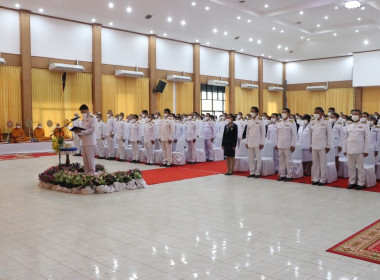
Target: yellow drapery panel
(10,96)
(227,100)
(245,98)
(126,95)
(304,101)
(185,97)
(165,100)
(272,101)
(371,99)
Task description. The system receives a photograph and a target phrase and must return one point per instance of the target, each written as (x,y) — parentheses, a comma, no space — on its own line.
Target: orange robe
(60,133)
(18,136)
(39,134)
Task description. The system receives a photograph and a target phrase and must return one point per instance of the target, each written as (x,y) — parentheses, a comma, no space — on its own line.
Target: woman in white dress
(303,137)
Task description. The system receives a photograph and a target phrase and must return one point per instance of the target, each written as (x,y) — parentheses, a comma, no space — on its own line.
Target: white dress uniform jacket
(286,134)
(320,134)
(338,132)
(111,126)
(190,130)
(89,143)
(304,137)
(272,132)
(100,130)
(135,133)
(209,130)
(121,130)
(167,130)
(255,133)
(356,140)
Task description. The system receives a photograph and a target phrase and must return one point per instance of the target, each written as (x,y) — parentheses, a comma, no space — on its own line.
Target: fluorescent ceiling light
(352,4)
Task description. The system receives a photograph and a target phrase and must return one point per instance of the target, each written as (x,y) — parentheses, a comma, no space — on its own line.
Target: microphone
(74,119)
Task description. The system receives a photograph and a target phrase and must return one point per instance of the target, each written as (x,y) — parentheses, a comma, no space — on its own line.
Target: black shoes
(281,179)
(209,160)
(288,179)
(251,176)
(314,183)
(257,176)
(352,186)
(359,188)
(110,158)
(321,184)
(149,163)
(121,160)
(163,165)
(101,157)
(77,155)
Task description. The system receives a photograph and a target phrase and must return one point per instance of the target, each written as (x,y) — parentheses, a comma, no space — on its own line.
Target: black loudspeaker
(160,87)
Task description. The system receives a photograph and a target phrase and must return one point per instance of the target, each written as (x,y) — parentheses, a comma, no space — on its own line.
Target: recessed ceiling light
(207,8)
(273,28)
(336,8)
(111,5)
(318,25)
(207,43)
(165,34)
(249,20)
(196,41)
(242,50)
(129,10)
(279,46)
(193,4)
(250,39)
(215,30)
(17,5)
(282,31)
(151,32)
(270,56)
(111,23)
(93,20)
(352,4)
(41,10)
(366,42)
(326,17)
(359,19)
(259,41)
(169,19)
(335,34)
(350,53)
(262,54)
(266,6)
(238,17)
(301,37)
(183,22)
(308,39)
(362,8)
(225,33)
(301,12)
(286,48)
(357,30)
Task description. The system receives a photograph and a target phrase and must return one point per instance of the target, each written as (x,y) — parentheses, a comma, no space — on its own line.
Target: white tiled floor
(215,227)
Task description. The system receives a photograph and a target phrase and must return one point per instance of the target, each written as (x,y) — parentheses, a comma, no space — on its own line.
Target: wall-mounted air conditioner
(249,86)
(60,67)
(312,88)
(275,88)
(2,61)
(177,78)
(128,73)
(217,83)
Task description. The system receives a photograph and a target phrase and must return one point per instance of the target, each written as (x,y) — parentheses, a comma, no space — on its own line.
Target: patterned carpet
(364,245)
(24,156)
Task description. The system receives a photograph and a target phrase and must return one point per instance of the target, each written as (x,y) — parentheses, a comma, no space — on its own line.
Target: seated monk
(39,134)
(59,132)
(18,135)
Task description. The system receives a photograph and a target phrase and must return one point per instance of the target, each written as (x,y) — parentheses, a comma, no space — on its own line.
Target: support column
(197,77)
(97,67)
(358,98)
(152,72)
(261,84)
(284,84)
(232,83)
(26,68)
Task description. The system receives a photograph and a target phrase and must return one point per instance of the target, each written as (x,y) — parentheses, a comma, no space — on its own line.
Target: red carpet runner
(364,245)
(25,156)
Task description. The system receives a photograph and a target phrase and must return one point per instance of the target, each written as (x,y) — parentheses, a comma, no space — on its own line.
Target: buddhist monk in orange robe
(18,135)
(39,134)
(59,132)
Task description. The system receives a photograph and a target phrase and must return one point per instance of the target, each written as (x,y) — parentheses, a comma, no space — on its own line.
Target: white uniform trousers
(77,143)
(319,167)
(209,149)
(174,146)
(276,159)
(167,152)
(254,158)
(148,146)
(285,168)
(157,144)
(191,150)
(135,150)
(101,149)
(88,153)
(120,149)
(110,147)
(356,160)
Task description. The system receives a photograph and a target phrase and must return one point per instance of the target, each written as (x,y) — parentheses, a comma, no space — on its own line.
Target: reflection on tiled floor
(219,227)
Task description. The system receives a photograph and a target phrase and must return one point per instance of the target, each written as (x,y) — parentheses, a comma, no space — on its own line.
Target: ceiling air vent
(237,38)
(148,17)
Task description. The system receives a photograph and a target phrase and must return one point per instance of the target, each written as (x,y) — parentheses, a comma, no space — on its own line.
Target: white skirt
(306,155)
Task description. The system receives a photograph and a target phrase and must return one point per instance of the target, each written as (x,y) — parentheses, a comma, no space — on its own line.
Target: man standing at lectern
(88,139)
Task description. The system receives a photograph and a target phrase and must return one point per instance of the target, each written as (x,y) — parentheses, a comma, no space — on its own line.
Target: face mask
(273,120)
(222,118)
(206,119)
(133,121)
(156,116)
(229,120)
(120,118)
(99,120)
(299,122)
(238,117)
(305,122)
(329,114)
(149,120)
(317,116)
(344,120)
(370,123)
(355,118)
(284,116)
(84,115)
(363,119)
(57,126)
(108,115)
(376,116)
(143,115)
(18,126)
(333,120)
(165,115)
(253,115)
(40,126)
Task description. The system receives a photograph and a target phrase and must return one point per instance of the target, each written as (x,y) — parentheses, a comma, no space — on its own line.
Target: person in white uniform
(167,130)
(135,138)
(121,136)
(190,131)
(337,136)
(110,135)
(255,135)
(374,136)
(320,143)
(88,139)
(177,131)
(286,144)
(304,138)
(76,138)
(100,136)
(209,134)
(149,138)
(356,147)
(272,136)
(241,123)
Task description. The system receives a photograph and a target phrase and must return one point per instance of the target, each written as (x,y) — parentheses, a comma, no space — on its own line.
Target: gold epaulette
(340,123)
(327,118)
(260,119)
(279,120)
(291,120)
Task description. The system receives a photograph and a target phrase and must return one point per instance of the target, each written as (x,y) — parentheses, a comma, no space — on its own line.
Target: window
(213,99)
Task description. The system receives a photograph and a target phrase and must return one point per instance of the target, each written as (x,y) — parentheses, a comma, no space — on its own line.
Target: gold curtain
(165,99)
(227,100)
(10,96)
(371,99)
(50,102)
(245,98)
(127,95)
(304,101)
(273,102)
(184,97)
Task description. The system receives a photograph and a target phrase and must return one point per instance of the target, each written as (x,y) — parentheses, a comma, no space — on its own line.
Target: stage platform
(26,148)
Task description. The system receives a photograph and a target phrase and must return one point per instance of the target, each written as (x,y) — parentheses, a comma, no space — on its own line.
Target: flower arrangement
(57,144)
(72,177)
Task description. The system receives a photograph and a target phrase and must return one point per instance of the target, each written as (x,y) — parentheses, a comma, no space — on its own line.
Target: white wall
(323,70)
(124,48)
(9,32)
(272,72)
(246,67)
(214,62)
(175,56)
(366,69)
(60,39)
